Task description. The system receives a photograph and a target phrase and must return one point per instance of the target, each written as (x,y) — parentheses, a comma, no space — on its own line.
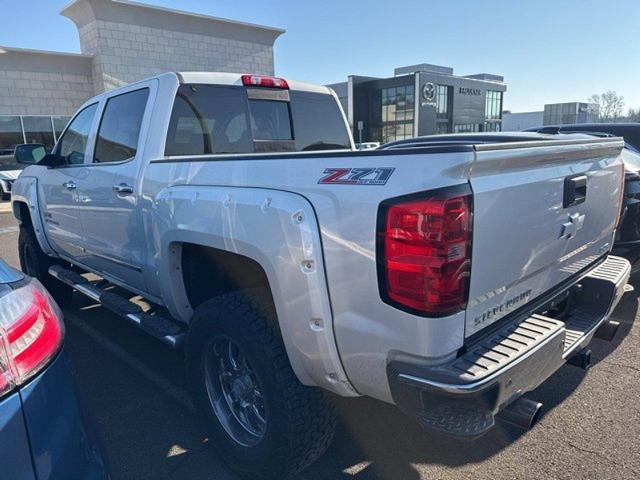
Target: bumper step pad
(463,396)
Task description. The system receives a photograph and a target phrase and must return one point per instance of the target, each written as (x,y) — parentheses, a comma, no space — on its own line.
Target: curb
(5,207)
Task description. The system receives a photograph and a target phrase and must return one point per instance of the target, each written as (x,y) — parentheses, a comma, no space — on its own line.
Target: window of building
(39,129)
(398,109)
(58,125)
(493,105)
(442,128)
(73,143)
(120,127)
(442,101)
(493,126)
(10,134)
(466,128)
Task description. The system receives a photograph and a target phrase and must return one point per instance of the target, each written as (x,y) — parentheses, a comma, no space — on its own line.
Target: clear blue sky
(547,50)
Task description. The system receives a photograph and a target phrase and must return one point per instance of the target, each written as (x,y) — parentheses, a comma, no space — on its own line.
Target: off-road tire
(300,420)
(36,263)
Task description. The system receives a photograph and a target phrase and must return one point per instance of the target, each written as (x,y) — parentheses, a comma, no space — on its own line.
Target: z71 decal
(357,176)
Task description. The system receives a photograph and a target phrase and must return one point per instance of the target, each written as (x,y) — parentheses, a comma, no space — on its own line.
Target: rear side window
(209,119)
(318,123)
(73,143)
(120,127)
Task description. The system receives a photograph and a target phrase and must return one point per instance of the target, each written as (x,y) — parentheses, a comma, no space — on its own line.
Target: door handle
(69,185)
(123,189)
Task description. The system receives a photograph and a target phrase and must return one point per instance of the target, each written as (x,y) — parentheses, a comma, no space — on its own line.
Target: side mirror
(30,153)
(36,154)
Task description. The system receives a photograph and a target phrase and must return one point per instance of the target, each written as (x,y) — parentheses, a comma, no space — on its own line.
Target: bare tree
(633,115)
(609,105)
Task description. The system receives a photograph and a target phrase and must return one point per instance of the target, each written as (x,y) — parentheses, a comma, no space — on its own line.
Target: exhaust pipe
(522,414)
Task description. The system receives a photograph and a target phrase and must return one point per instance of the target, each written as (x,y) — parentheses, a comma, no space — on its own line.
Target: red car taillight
(425,249)
(31,333)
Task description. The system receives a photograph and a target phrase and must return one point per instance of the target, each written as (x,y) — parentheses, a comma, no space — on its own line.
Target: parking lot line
(178,394)
(12,229)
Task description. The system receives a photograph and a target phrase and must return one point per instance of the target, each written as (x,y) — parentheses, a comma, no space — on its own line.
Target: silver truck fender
(25,190)
(280,232)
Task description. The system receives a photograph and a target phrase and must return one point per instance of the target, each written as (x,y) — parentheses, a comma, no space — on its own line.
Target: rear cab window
(216,119)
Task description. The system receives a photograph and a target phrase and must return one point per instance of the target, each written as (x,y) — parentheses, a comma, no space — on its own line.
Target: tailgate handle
(575,190)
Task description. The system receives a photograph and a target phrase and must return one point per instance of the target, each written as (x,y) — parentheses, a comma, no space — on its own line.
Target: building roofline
(43,52)
(131,3)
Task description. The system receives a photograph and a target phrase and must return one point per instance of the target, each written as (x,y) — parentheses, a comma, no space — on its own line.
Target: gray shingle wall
(124,53)
(42,93)
(124,42)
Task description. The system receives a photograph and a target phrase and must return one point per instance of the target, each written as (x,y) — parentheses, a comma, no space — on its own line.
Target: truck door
(108,195)
(57,186)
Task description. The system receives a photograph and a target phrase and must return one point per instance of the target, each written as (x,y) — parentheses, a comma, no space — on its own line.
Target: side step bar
(165,330)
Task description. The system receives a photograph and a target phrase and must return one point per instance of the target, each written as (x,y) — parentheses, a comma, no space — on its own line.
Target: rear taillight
(31,333)
(424,246)
(262,81)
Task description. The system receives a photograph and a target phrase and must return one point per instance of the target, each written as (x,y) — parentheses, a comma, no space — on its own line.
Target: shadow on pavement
(149,433)
(376,441)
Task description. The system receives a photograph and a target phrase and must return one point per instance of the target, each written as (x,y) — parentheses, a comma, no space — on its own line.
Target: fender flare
(25,192)
(279,231)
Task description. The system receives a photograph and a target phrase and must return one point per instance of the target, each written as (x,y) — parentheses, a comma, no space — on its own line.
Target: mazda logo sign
(428,91)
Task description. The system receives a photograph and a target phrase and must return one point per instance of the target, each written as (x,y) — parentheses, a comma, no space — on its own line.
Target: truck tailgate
(542,213)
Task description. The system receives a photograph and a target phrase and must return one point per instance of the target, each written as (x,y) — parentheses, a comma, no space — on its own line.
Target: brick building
(121,42)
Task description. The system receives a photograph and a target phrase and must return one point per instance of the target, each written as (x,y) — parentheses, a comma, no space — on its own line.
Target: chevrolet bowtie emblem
(573,226)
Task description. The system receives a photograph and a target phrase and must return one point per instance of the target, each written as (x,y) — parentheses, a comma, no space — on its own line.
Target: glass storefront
(398,110)
(493,111)
(10,134)
(444,95)
(15,130)
(467,128)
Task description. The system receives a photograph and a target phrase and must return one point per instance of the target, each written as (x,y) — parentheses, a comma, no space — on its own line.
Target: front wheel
(35,263)
(261,418)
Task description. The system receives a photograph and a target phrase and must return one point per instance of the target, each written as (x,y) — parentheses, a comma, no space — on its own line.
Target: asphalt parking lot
(133,388)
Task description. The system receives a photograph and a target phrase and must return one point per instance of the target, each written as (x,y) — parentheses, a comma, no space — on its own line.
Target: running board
(165,330)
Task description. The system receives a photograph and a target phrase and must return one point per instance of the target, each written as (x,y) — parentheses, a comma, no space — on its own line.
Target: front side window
(119,130)
(73,143)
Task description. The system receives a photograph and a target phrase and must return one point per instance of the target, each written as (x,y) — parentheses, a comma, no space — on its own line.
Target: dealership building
(421,100)
(567,113)
(121,42)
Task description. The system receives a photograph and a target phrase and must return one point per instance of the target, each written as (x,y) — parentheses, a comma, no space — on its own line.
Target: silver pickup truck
(448,280)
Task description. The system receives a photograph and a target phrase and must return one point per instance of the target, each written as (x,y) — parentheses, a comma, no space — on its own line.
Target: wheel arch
(25,207)
(252,238)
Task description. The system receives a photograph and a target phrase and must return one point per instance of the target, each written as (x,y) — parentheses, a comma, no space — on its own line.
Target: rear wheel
(260,417)
(35,263)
